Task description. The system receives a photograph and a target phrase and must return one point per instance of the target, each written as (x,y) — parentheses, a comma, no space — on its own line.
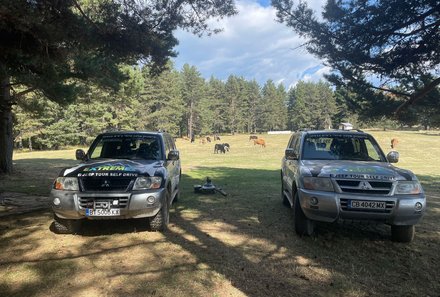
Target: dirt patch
(17,203)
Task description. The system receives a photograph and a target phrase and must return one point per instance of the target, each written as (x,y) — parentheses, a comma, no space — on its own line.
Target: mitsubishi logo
(106,184)
(364,185)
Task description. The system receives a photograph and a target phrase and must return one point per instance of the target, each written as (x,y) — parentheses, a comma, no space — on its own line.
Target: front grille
(103,202)
(98,184)
(389,205)
(365,187)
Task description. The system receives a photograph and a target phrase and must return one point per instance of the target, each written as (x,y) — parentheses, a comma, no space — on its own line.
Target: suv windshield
(341,147)
(127,146)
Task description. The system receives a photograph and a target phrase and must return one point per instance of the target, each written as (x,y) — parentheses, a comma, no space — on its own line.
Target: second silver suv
(331,175)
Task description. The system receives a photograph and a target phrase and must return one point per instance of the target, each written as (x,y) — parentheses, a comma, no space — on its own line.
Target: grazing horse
(394,142)
(219,148)
(260,141)
(253,137)
(208,139)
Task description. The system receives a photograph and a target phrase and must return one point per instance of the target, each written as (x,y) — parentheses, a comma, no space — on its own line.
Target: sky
(253,45)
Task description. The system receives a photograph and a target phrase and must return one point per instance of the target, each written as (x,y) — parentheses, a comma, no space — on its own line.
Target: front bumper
(400,209)
(135,204)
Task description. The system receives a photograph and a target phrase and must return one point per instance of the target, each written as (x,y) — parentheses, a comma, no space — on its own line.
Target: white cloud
(252,45)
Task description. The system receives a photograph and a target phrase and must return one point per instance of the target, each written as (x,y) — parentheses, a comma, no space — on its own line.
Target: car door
(290,166)
(173,166)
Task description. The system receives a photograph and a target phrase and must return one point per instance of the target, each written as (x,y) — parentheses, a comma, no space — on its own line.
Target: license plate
(368,204)
(103,212)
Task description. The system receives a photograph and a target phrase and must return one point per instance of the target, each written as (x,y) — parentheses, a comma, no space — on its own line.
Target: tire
(303,225)
(160,221)
(66,226)
(402,233)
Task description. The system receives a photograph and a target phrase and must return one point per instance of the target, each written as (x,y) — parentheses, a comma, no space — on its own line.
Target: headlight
(66,183)
(145,183)
(318,183)
(408,187)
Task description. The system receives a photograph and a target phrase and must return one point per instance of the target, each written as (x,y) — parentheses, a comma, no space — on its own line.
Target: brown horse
(260,141)
(394,143)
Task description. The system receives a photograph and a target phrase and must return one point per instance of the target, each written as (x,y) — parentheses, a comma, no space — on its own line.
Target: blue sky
(252,45)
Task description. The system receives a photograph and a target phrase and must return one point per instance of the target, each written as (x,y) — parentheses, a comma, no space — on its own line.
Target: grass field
(240,245)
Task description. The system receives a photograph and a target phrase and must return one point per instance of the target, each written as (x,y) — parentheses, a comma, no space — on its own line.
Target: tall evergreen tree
(253,98)
(233,91)
(192,93)
(313,106)
(218,105)
(161,103)
(273,114)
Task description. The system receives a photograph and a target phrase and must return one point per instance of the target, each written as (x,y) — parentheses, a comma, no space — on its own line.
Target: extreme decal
(106,167)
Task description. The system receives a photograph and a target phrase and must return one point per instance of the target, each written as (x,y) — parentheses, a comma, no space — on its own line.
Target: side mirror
(290,154)
(393,157)
(80,155)
(173,155)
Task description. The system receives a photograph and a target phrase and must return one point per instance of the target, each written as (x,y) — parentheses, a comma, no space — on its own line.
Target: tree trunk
(30,143)
(6,139)
(191,120)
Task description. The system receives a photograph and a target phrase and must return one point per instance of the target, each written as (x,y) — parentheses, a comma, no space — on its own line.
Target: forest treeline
(181,102)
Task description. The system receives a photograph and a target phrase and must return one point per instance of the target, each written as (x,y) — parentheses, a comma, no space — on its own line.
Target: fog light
(56,201)
(151,199)
(314,201)
(418,206)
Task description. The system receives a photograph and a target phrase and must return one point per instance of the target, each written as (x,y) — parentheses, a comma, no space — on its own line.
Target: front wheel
(402,233)
(65,226)
(160,221)
(303,225)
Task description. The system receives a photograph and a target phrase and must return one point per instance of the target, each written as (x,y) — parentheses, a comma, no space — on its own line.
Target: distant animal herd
(223,148)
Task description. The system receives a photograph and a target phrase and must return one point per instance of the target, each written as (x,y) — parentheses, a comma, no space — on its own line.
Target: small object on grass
(208,188)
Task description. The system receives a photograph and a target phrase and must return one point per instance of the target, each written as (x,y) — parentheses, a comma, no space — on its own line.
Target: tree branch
(368,85)
(85,16)
(418,95)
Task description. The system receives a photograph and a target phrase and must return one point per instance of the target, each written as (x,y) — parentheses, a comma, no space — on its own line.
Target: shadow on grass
(347,259)
(34,176)
(246,237)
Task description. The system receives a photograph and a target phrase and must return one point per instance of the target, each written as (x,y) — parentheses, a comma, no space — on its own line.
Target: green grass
(240,245)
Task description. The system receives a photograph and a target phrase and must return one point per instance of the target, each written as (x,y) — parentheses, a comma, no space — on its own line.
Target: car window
(294,143)
(127,146)
(340,147)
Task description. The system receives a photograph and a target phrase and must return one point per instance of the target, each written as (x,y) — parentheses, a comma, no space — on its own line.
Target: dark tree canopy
(48,45)
(373,44)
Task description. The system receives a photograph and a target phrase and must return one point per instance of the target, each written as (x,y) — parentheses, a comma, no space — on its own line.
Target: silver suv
(335,174)
(123,175)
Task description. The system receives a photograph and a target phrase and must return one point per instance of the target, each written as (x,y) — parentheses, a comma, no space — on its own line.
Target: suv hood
(355,170)
(115,168)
